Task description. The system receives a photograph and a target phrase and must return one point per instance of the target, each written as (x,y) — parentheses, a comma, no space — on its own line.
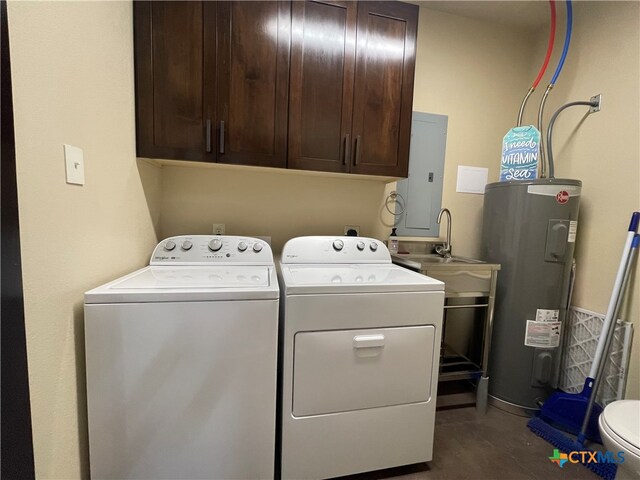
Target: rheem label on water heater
(542,334)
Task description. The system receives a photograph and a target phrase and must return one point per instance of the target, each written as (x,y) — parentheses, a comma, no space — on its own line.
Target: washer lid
(305,279)
(623,419)
(182,283)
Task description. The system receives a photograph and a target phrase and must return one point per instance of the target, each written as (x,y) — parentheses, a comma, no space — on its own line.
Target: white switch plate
(218,229)
(74,161)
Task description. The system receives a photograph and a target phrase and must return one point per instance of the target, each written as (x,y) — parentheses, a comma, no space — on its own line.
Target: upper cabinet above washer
(212,81)
(249,73)
(317,85)
(169,48)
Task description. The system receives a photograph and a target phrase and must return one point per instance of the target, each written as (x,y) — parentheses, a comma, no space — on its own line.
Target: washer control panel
(212,249)
(324,249)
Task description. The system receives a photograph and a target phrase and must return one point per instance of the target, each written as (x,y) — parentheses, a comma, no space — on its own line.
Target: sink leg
(482,395)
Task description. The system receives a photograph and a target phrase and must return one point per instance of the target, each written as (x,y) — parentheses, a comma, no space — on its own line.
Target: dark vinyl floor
(497,445)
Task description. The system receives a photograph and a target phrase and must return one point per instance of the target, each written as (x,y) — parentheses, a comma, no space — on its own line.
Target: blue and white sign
(520,149)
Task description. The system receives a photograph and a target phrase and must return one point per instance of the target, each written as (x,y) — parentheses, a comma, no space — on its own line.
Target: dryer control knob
(187,244)
(242,246)
(373,246)
(257,247)
(170,245)
(360,246)
(215,245)
(337,245)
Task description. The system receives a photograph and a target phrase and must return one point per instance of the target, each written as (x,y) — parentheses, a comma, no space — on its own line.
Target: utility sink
(463,276)
(437,259)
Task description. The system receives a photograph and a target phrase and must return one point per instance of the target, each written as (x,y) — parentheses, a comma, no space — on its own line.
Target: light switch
(74,161)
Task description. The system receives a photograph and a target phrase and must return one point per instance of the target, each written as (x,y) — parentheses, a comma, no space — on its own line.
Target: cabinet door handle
(356,155)
(208,136)
(347,149)
(222,136)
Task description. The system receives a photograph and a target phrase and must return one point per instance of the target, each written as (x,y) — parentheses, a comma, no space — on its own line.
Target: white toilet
(620,431)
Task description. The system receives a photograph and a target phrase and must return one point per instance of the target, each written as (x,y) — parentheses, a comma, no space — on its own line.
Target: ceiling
(530,15)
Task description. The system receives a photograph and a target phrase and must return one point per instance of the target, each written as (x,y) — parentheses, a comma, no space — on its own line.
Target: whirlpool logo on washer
(586,456)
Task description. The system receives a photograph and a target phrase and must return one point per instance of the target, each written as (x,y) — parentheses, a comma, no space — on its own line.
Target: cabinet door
(321,93)
(169,79)
(383,98)
(252,72)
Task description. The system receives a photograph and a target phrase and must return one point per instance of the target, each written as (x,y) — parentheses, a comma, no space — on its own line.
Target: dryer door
(338,371)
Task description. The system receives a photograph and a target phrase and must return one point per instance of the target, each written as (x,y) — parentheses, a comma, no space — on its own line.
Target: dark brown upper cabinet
(352,69)
(169,79)
(323,57)
(212,81)
(316,85)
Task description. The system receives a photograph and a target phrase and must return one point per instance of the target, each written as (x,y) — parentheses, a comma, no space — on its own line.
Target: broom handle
(617,288)
(608,336)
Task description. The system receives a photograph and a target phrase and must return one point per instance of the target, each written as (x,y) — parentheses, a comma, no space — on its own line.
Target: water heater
(530,229)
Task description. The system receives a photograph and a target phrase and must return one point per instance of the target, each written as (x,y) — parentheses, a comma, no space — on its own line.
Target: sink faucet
(445,250)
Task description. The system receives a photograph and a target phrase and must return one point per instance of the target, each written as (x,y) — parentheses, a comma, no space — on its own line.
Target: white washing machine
(360,346)
(181,363)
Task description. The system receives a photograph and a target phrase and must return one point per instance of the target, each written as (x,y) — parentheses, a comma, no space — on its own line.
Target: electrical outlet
(598,100)
(349,229)
(218,228)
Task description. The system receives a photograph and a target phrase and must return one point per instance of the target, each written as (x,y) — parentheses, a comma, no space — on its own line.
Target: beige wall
(72,70)
(266,202)
(602,149)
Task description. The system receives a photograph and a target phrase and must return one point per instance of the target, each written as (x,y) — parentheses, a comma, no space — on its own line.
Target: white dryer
(360,346)
(181,363)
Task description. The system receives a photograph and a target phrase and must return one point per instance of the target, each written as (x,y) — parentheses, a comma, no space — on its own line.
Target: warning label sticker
(543,315)
(542,334)
(573,229)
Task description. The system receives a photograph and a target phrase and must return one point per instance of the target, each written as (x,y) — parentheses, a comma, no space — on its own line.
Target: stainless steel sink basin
(437,259)
(463,276)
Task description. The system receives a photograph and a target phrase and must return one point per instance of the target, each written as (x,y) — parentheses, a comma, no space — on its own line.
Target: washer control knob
(242,246)
(373,246)
(186,245)
(215,244)
(360,245)
(170,245)
(257,247)
(337,245)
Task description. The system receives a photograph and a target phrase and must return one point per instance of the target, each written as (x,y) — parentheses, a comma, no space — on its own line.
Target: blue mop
(578,413)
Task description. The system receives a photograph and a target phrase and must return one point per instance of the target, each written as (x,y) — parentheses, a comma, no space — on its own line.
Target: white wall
(72,69)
